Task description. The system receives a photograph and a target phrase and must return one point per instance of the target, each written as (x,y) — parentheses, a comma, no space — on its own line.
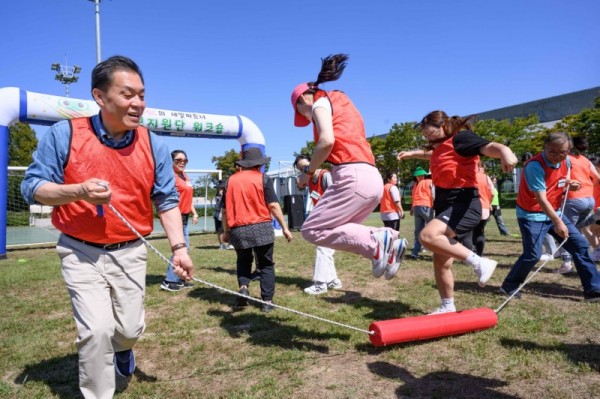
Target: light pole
(97,3)
(66,74)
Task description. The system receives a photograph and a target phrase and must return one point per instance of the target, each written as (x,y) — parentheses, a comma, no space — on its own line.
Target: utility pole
(97,3)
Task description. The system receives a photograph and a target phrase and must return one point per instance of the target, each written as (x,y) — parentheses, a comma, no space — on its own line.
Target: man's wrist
(178,246)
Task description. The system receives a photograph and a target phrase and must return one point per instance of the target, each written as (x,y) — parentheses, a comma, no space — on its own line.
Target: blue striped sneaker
(384,246)
(395,258)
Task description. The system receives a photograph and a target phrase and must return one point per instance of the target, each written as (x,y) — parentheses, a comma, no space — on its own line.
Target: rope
(562,209)
(112,208)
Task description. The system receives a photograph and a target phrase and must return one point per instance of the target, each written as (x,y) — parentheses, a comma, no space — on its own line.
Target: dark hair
(102,74)
(175,152)
(388,176)
(526,157)
(300,157)
(451,125)
(580,143)
(332,68)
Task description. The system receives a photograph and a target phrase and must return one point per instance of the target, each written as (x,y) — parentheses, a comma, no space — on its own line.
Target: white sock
(473,259)
(448,303)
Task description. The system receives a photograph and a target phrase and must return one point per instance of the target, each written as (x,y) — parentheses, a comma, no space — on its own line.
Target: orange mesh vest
(351,145)
(186,192)
(130,173)
(555,186)
(580,171)
(317,187)
(245,199)
(387,204)
(485,194)
(451,170)
(421,194)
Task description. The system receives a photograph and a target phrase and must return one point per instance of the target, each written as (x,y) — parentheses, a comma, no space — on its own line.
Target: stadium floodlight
(66,74)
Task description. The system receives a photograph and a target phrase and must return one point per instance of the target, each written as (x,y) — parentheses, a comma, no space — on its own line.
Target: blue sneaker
(384,246)
(395,258)
(124,363)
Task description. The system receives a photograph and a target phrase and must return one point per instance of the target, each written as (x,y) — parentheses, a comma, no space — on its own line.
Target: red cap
(299,120)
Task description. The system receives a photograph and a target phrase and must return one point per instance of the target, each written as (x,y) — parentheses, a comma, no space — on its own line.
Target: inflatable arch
(17,105)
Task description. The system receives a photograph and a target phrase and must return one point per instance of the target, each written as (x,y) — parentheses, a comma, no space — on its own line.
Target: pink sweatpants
(335,222)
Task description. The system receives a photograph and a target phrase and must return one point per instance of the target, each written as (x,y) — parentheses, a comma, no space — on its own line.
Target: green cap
(420,172)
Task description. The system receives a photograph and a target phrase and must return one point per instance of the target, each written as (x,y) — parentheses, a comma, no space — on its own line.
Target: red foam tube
(387,332)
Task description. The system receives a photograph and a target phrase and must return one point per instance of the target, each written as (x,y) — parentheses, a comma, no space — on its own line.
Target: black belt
(106,247)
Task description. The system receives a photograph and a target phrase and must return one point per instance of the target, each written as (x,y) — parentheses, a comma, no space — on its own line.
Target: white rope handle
(112,208)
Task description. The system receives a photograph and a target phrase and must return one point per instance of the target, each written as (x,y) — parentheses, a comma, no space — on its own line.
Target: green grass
(195,346)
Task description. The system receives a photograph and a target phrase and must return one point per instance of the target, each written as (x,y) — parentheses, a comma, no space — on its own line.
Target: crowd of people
(83,164)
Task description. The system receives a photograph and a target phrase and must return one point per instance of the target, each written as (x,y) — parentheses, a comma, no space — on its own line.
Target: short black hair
(102,74)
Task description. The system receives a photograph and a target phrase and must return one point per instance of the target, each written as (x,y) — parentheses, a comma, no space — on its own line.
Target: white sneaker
(229,247)
(316,289)
(485,270)
(395,259)
(441,310)
(566,267)
(596,254)
(335,284)
(546,257)
(384,245)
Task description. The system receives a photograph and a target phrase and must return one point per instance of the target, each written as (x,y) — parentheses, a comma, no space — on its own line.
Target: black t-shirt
(467,144)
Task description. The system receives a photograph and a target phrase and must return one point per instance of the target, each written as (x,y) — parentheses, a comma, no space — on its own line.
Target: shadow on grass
(578,353)
(61,375)
(439,384)
(270,331)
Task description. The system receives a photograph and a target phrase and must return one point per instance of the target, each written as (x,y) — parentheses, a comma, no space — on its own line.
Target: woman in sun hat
(340,139)
(422,206)
(249,204)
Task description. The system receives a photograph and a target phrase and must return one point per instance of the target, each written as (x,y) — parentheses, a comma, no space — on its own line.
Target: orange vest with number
(351,145)
(318,186)
(245,199)
(554,189)
(130,174)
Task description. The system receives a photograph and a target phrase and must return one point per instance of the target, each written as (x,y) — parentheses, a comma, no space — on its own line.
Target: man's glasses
(180,160)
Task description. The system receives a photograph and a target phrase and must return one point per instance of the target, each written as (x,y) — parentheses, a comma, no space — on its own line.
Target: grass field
(545,345)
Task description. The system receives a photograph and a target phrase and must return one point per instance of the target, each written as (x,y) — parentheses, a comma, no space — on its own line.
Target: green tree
(586,123)
(226,164)
(401,137)
(521,135)
(21,144)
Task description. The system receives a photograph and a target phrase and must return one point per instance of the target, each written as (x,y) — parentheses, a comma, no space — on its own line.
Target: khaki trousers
(107,291)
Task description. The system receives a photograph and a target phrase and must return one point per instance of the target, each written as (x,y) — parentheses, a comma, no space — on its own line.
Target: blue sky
(237,57)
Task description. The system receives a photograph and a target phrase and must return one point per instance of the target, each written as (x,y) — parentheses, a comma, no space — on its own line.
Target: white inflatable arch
(17,105)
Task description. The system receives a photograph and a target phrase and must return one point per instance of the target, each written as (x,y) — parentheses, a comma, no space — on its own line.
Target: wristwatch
(306,171)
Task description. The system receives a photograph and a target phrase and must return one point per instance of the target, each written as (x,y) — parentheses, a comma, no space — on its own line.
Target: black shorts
(460,209)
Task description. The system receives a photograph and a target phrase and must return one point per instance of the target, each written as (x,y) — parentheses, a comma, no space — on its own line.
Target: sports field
(546,345)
